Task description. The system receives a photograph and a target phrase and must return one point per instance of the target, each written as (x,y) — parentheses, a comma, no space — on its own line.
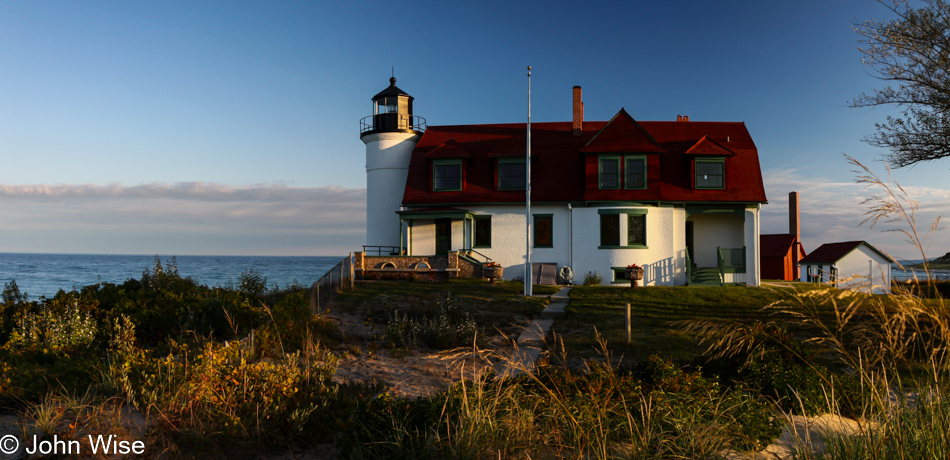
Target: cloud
(182,218)
(833,211)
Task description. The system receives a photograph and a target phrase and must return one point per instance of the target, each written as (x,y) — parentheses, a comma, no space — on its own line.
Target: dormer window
(447,175)
(710,174)
(627,171)
(636,172)
(511,174)
(609,172)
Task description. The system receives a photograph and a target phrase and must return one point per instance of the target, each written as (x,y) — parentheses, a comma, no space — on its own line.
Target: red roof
(832,252)
(622,134)
(777,245)
(564,166)
(709,147)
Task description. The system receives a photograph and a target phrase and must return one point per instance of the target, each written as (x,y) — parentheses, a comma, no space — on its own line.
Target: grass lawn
(655,311)
(500,306)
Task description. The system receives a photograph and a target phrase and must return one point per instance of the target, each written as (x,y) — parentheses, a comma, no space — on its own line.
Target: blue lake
(45,274)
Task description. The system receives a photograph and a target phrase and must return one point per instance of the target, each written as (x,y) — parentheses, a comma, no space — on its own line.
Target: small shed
(854,265)
(779,259)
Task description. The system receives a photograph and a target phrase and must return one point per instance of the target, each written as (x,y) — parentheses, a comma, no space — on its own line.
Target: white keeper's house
(680,198)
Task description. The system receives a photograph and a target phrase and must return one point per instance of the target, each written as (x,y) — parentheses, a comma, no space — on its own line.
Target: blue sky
(232,127)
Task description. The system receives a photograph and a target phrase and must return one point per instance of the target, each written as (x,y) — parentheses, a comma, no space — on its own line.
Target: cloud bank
(274,219)
(182,218)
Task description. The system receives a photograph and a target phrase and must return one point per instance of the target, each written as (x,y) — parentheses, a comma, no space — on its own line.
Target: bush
(592,279)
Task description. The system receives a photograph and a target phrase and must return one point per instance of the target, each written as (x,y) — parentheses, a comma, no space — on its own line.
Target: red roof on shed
(559,167)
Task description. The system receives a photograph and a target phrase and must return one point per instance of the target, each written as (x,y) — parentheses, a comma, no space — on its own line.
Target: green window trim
(523,175)
(445,181)
(620,275)
(617,160)
(609,241)
(710,176)
(643,171)
(543,232)
(481,232)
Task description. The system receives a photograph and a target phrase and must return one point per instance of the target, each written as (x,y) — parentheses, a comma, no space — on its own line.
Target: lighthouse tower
(390,134)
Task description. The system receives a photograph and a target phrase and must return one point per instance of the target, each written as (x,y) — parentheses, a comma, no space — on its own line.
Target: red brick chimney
(578,112)
(795,229)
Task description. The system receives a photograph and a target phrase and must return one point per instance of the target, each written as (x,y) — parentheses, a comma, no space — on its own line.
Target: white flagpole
(527,212)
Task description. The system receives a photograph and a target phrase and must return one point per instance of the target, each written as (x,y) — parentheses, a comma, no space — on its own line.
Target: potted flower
(634,274)
(492,271)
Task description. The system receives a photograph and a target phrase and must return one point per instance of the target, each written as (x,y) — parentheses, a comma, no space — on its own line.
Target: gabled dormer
(448,166)
(509,159)
(708,163)
(620,153)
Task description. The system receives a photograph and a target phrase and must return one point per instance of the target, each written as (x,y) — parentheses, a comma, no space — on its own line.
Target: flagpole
(527,201)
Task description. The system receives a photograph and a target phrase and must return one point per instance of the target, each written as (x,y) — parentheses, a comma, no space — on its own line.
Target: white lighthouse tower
(390,134)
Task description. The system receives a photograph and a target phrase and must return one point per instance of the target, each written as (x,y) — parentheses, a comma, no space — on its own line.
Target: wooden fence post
(629,327)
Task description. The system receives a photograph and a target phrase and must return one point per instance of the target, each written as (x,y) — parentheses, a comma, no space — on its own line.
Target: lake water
(45,274)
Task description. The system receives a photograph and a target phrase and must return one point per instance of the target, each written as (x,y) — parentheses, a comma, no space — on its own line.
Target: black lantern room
(392,113)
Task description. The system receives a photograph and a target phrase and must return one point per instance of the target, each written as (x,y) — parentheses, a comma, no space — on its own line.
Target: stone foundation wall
(422,268)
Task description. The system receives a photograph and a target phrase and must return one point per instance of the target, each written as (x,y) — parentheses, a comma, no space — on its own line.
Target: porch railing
(469,252)
(731,260)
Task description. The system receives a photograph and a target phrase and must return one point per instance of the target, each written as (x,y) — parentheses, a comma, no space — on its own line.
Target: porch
(716,242)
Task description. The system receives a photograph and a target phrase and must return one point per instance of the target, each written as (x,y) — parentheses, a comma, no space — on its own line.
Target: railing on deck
(381,250)
(339,278)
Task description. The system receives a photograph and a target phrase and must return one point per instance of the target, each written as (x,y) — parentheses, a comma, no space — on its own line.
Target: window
(544,230)
(610,173)
(710,174)
(482,231)
(623,228)
(636,172)
(447,175)
(511,175)
(636,229)
(610,229)
(620,275)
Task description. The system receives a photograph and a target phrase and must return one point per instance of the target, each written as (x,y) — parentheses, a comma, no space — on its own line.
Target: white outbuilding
(854,265)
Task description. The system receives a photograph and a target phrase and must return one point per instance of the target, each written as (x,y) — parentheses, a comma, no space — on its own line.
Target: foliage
(50,331)
(449,327)
(218,392)
(912,54)
(592,279)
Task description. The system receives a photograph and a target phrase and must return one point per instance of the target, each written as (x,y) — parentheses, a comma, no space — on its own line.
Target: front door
(443,236)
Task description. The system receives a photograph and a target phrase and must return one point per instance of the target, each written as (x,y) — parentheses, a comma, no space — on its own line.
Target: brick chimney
(578,112)
(795,229)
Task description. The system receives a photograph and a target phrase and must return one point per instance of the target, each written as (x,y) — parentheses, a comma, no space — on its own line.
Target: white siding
(864,270)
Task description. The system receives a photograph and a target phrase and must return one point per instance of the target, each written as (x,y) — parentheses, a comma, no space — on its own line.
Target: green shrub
(592,279)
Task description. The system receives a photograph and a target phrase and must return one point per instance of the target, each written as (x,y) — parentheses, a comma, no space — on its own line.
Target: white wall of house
(422,237)
(662,260)
(387,167)
(508,236)
(577,245)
